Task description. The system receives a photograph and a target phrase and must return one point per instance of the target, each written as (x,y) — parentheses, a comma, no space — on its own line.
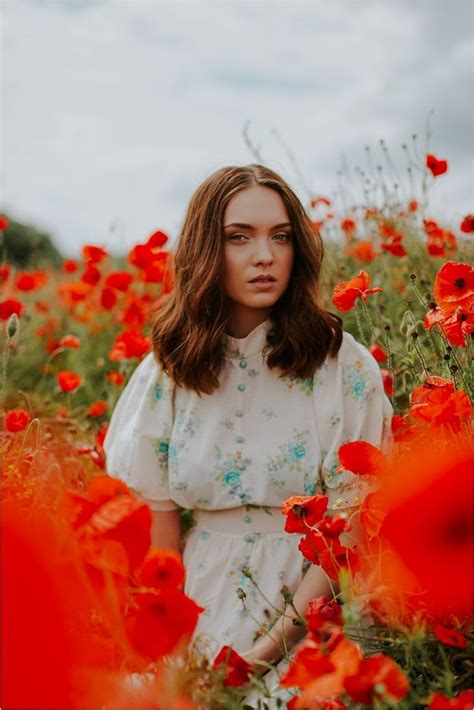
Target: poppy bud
(12,325)
(240,593)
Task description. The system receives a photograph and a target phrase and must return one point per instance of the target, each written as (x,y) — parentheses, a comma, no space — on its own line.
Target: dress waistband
(240,520)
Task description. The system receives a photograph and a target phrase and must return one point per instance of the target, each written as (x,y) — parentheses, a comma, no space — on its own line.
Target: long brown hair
(189,325)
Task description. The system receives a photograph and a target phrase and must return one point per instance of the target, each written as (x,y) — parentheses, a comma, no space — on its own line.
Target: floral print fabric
(256,441)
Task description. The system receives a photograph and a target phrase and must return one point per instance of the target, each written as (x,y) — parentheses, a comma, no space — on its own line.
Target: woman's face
(258,243)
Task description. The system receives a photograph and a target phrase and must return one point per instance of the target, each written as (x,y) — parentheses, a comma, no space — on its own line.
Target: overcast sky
(114,111)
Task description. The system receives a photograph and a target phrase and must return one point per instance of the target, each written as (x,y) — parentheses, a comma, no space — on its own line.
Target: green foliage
(27,247)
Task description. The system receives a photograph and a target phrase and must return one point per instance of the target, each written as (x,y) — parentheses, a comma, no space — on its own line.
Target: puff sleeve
(349,405)
(137,440)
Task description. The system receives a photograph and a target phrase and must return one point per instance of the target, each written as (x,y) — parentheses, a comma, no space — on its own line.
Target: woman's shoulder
(149,373)
(351,355)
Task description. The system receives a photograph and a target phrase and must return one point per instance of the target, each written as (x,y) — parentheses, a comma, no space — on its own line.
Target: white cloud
(114,111)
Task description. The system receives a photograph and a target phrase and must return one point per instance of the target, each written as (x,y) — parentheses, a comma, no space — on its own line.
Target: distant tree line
(27,247)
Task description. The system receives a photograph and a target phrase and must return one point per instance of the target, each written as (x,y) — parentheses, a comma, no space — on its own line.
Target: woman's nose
(262,253)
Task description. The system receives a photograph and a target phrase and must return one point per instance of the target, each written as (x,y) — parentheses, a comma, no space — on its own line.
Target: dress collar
(252,344)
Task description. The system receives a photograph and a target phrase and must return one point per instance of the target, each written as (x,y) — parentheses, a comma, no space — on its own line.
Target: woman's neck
(241,324)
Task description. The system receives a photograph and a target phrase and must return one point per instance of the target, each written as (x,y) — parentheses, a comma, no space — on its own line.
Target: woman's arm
(165,529)
(284,633)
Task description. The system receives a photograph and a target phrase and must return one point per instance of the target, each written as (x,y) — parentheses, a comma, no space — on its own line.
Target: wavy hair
(190,322)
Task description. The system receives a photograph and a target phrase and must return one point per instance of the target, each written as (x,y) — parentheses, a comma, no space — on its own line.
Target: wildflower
(100,436)
(412,206)
(323,610)
(379,353)
(387,379)
(451,637)
(362,458)
(119,280)
(91,275)
(97,409)
(315,201)
(304,511)
(454,286)
(456,326)
(348,225)
(17,420)
(10,306)
(129,344)
(346,293)
(237,670)
(362,251)
(70,266)
(4,222)
(108,298)
(29,281)
(159,621)
(93,254)
(12,325)
(437,167)
(161,568)
(440,405)
(467,224)
(377,678)
(68,380)
(463,701)
(115,378)
(4,273)
(394,245)
(69,341)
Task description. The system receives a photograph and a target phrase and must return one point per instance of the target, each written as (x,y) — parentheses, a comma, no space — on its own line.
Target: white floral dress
(234,457)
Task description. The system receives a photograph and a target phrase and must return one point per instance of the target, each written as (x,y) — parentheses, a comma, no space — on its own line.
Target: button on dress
(234,457)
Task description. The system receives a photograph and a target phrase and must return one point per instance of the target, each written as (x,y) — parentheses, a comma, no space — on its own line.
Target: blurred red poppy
(69,341)
(29,281)
(4,222)
(463,701)
(387,379)
(377,678)
(345,293)
(116,378)
(348,225)
(93,254)
(451,637)
(10,306)
(70,266)
(362,251)
(97,409)
(237,670)
(129,344)
(17,420)
(91,275)
(467,224)
(68,380)
(436,166)
(120,280)
(323,610)
(379,353)
(108,298)
(161,568)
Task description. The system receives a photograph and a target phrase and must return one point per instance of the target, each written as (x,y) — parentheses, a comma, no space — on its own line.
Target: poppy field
(89,605)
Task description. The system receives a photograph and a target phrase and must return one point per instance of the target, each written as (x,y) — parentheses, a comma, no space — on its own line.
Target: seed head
(12,325)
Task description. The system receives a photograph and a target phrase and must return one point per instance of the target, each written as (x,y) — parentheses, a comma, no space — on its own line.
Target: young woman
(250,390)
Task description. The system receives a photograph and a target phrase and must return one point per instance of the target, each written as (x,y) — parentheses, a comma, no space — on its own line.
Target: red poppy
(160,621)
(348,225)
(100,436)
(68,380)
(135,314)
(93,254)
(456,326)
(440,407)
(454,286)
(379,353)
(437,167)
(425,545)
(308,663)
(155,272)
(394,245)
(362,458)
(108,298)
(120,280)
(4,222)
(70,266)
(129,344)
(346,292)
(412,206)
(387,380)
(315,201)
(116,378)
(467,224)
(157,240)
(161,568)
(463,701)
(377,678)
(451,637)
(4,273)
(17,420)
(10,306)
(323,610)
(303,512)
(362,251)
(91,275)
(97,409)
(401,428)
(237,670)
(69,341)
(29,281)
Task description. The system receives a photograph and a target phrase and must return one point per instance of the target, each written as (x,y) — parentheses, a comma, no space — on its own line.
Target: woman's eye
(285,235)
(233,236)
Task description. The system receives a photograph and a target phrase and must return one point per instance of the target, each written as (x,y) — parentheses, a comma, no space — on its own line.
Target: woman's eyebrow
(249,226)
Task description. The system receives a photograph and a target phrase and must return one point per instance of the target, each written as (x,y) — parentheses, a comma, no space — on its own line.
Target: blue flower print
(298,451)
(232,478)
